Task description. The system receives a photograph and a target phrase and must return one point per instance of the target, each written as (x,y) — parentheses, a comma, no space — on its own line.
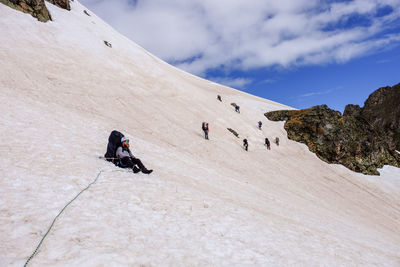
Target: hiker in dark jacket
(127,160)
(267,144)
(259,125)
(277,141)
(245,144)
(219,98)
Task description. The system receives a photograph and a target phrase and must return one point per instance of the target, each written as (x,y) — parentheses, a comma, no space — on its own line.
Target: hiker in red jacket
(205,128)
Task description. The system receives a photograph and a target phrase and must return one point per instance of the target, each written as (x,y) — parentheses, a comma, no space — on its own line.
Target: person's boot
(146,171)
(135,169)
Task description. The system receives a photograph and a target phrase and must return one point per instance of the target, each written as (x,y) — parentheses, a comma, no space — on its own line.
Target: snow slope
(62,91)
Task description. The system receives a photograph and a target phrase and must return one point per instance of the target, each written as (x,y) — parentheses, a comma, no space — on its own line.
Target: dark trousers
(128,162)
(206,134)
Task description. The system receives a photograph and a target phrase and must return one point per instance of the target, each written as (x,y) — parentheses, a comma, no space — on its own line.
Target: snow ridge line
(62,210)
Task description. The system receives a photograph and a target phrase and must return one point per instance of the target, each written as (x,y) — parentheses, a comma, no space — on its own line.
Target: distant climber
(127,160)
(245,144)
(277,141)
(219,98)
(259,125)
(237,109)
(267,144)
(205,128)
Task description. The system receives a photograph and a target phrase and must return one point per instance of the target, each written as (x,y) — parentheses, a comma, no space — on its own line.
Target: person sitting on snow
(127,160)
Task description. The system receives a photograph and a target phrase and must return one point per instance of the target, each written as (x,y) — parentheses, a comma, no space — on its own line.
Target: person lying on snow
(127,160)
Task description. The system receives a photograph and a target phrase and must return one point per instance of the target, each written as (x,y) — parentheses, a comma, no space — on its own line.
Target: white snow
(208,203)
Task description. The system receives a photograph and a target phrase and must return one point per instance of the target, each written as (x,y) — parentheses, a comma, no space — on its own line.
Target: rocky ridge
(37,8)
(363,139)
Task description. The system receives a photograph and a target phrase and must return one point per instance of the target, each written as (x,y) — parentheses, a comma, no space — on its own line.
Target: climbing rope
(48,230)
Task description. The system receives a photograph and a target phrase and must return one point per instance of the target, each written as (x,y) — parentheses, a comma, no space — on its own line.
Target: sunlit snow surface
(208,203)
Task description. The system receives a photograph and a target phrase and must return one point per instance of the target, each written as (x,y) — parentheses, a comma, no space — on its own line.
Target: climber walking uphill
(277,141)
(259,125)
(245,144)
(118,153)
(237,109)
(127,160)
(267,143)
(204,127)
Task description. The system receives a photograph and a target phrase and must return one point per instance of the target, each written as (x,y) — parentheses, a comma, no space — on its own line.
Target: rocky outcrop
(382,111)
(36,8)
(352,110)
(347,140)
(61,3)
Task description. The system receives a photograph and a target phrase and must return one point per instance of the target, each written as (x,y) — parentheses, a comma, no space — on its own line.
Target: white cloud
(234,82)
(199,35)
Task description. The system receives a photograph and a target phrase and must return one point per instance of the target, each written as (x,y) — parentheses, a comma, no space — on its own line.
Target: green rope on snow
(48,230)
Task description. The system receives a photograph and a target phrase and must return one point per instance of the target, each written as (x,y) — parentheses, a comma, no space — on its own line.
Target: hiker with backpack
(219,98)
(205,128)
(237,109)
(245,144)
(259,125)
(118,153)
(277,141)
(127,160)
(267,143)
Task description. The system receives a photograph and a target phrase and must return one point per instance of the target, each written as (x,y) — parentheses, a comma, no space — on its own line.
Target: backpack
(204,126)
(114,141)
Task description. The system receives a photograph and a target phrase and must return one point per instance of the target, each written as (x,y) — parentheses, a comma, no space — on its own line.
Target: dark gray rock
(382,111)
(352,110)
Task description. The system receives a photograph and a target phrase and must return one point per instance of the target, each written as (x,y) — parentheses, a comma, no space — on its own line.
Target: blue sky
(300,53)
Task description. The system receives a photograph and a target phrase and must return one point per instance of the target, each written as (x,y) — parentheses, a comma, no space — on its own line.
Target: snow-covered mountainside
(207,203)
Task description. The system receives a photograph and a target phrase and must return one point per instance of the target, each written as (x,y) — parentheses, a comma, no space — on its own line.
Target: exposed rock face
(61,3)
(36,8)
(347,140)
(352,110)
(382,111)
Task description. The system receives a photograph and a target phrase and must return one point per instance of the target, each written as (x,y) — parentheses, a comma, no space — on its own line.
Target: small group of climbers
(267,143)
(205,128)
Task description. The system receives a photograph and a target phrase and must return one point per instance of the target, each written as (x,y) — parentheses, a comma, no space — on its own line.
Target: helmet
(124,141)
